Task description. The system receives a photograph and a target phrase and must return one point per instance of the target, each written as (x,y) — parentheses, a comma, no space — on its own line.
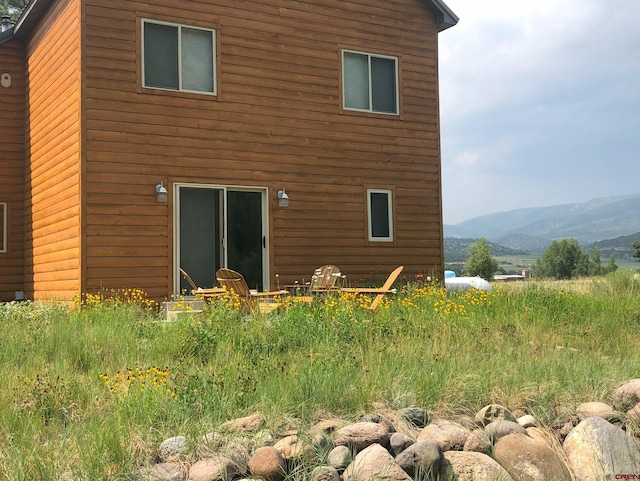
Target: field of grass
(93,391)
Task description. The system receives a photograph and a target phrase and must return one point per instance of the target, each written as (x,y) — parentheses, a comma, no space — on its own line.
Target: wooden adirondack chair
(233,281)
(380,291)
(324,279)
(199,291)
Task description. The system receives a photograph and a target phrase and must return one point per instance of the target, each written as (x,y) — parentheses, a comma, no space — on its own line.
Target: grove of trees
(636,246)
(564,259)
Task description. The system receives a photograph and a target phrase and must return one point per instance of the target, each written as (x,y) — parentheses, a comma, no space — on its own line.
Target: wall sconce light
(283,199)
(161,193)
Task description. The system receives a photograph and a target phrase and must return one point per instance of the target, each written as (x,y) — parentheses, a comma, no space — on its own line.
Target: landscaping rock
(415,415)
(162,472)
(360,435)
(327,426)
(374,463)
(325,473)
(267,462)
(251,423)
(499,429)
(471,466)
(340,457)
(493,412)
(172,448)
(544,437)
(448,434)
(290,447)
(587,410)
(399,442)
(527,421)
(627,395)
(596,448)
(421,460)
(526,459)
(218,468)
(478,441)
(593,449)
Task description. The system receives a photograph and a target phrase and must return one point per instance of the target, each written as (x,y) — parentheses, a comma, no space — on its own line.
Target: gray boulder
(449,435)
(627,395)
(360,435)
(478,441)
(399,442)
(162,472)
(415,415)
(251,423)
(325,473)
(218,468)
(527,421)
(493,412)
(374,463)
(172,448)
(526,459)
(421,460)
(596,448)
(471,466)
(501,428)
(590,409)
(339,457)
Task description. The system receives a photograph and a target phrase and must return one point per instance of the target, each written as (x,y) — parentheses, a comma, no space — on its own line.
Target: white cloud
(542,95)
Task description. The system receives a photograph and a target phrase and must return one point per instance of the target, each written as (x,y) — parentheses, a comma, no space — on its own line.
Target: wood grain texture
(98,141)
(12,168)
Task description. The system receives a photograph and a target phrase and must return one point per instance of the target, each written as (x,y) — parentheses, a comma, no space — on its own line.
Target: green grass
(94,391)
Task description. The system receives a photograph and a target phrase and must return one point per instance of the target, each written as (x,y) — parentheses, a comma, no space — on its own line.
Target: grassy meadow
(93,391)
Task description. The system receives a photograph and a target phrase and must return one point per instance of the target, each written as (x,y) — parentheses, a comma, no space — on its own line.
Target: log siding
(12,168)
(277,121)
(98,141)
(52,188)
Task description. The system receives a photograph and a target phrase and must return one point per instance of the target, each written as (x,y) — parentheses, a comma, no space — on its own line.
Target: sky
(539,104)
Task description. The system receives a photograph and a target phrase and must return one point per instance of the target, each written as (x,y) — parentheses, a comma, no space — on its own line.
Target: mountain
(534,228)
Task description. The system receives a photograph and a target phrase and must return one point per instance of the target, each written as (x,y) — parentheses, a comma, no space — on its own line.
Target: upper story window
(178,57)
(380,213)
(370,82)
(3,227)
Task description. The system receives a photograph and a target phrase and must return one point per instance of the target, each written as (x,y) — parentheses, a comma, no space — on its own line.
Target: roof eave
(29,17)
(445,18)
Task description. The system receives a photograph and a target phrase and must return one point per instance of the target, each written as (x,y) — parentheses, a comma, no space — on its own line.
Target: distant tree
(611,265)
(480,262)
(563,259)
(13,8)
(595,264)
(636,246)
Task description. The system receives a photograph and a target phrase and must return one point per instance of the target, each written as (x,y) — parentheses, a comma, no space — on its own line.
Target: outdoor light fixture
(161,193)
(283,199)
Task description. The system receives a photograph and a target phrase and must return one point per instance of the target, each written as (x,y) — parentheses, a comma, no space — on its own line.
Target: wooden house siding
(12,168)
(276,122)
(53,160)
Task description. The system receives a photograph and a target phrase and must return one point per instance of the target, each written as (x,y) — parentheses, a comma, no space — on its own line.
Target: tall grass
(92,392)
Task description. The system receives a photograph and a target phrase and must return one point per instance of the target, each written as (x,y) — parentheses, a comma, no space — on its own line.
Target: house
(140,137)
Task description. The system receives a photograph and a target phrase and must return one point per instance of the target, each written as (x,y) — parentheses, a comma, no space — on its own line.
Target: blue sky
(539,104)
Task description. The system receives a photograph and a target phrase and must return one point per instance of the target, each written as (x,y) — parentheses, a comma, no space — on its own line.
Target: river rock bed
(599,442)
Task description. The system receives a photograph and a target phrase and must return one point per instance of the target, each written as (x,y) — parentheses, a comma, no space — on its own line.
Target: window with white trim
(178,57)
(3,227)
(369,82)
(380,215)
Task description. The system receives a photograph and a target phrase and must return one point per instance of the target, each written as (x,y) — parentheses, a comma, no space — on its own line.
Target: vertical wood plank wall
(12,168)
(276,122)
(52,269)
